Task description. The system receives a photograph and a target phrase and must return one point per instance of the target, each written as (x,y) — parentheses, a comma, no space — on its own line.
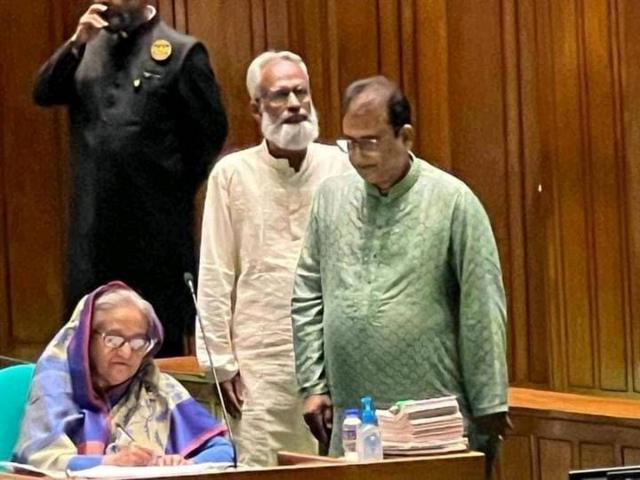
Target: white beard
(291,136)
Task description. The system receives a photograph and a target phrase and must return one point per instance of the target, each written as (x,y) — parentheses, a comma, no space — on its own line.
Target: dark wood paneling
(390,62)
(555,459)
(629,28)
(594,455)
(32,178)
(276,17)
(555,432)
(315,37)
(358,39)
(431,104)
(5,301)
(166,11)
(570,203)
(407,39)
(631,456)
(224,26)
(516,459)
(530,332)
(516,280)
(606,173)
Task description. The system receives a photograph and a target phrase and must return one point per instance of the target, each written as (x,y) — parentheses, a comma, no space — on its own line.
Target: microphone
(188,280)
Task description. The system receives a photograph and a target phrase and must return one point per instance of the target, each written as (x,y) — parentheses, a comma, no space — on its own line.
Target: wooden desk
(179,365)
(464,466)
(468,465)
(555,432)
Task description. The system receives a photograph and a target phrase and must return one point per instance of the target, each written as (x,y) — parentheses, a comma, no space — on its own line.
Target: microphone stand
(188,278)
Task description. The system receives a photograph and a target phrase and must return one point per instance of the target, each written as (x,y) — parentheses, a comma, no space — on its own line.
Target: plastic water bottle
(350,426)
(369,441)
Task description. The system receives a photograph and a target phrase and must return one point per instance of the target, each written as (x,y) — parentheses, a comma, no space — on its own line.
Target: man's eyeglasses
(366,145)
(137,344)
(281,96)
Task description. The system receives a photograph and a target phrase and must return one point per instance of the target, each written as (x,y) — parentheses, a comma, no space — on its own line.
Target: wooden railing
(555,432)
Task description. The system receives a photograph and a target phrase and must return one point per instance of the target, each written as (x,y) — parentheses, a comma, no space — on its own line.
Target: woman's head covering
(65,416)
(78,349)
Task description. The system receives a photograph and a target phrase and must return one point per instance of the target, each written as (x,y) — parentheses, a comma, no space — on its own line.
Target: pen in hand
(132,454)
(154,459)
(124,432)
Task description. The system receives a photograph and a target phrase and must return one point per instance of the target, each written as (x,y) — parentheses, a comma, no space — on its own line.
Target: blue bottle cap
(351,412)
(368,414)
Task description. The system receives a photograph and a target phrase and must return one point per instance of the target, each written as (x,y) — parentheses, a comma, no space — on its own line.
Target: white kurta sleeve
(217,278)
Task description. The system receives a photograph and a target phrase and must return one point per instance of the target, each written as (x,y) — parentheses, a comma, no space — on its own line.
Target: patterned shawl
(65,416)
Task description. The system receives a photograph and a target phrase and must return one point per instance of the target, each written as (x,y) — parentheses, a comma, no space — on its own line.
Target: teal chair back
(14,388)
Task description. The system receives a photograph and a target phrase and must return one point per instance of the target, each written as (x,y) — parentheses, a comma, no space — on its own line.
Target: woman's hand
(130,455)
(171,460)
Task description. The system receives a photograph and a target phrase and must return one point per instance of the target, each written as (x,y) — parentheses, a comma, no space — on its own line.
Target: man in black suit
(146,124)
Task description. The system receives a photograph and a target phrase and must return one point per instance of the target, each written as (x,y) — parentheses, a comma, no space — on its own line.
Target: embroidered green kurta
(400,296)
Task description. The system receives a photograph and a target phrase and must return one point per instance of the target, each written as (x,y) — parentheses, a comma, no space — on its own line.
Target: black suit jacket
(144,134)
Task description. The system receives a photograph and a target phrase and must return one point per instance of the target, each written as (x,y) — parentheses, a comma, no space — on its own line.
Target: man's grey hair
(254,72)
(121,297)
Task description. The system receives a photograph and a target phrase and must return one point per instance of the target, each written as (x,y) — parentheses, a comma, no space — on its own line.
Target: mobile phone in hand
(116,19)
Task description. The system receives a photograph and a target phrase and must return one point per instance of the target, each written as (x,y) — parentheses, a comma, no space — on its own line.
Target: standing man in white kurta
(255,214)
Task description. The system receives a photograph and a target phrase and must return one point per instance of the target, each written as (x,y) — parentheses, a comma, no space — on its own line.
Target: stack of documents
(420,427)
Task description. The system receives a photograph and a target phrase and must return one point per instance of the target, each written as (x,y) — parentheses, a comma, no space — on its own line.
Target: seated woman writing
(97,397)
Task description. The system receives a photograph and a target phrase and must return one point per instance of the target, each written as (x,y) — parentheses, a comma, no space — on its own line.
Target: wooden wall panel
(315,38)
(629,32)
(607,199)
(32,180)
(431,104)
(5,300)
(594,455)
(276,16)
(166,10)
(530,332)
(389,22)
(571,203)
(516,283)
(630,456)
(517,459)
(555,459)
(556,432)
(409,60)
(358,39)
(224,26)
(579,72)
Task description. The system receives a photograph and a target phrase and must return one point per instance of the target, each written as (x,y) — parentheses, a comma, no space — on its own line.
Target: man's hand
(130,455)
(89,24)
(318,414)
(232,392)
(495,424)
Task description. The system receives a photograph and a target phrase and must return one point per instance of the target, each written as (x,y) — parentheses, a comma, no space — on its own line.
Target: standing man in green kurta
(398,291)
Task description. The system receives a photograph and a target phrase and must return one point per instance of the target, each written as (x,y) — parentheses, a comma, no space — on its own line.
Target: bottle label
(349,435)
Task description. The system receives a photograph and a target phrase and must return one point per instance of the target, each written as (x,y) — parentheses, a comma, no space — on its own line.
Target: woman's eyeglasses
(137,344)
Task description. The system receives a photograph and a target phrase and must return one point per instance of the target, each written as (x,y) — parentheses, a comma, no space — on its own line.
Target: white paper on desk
(113,471)
(22,468)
